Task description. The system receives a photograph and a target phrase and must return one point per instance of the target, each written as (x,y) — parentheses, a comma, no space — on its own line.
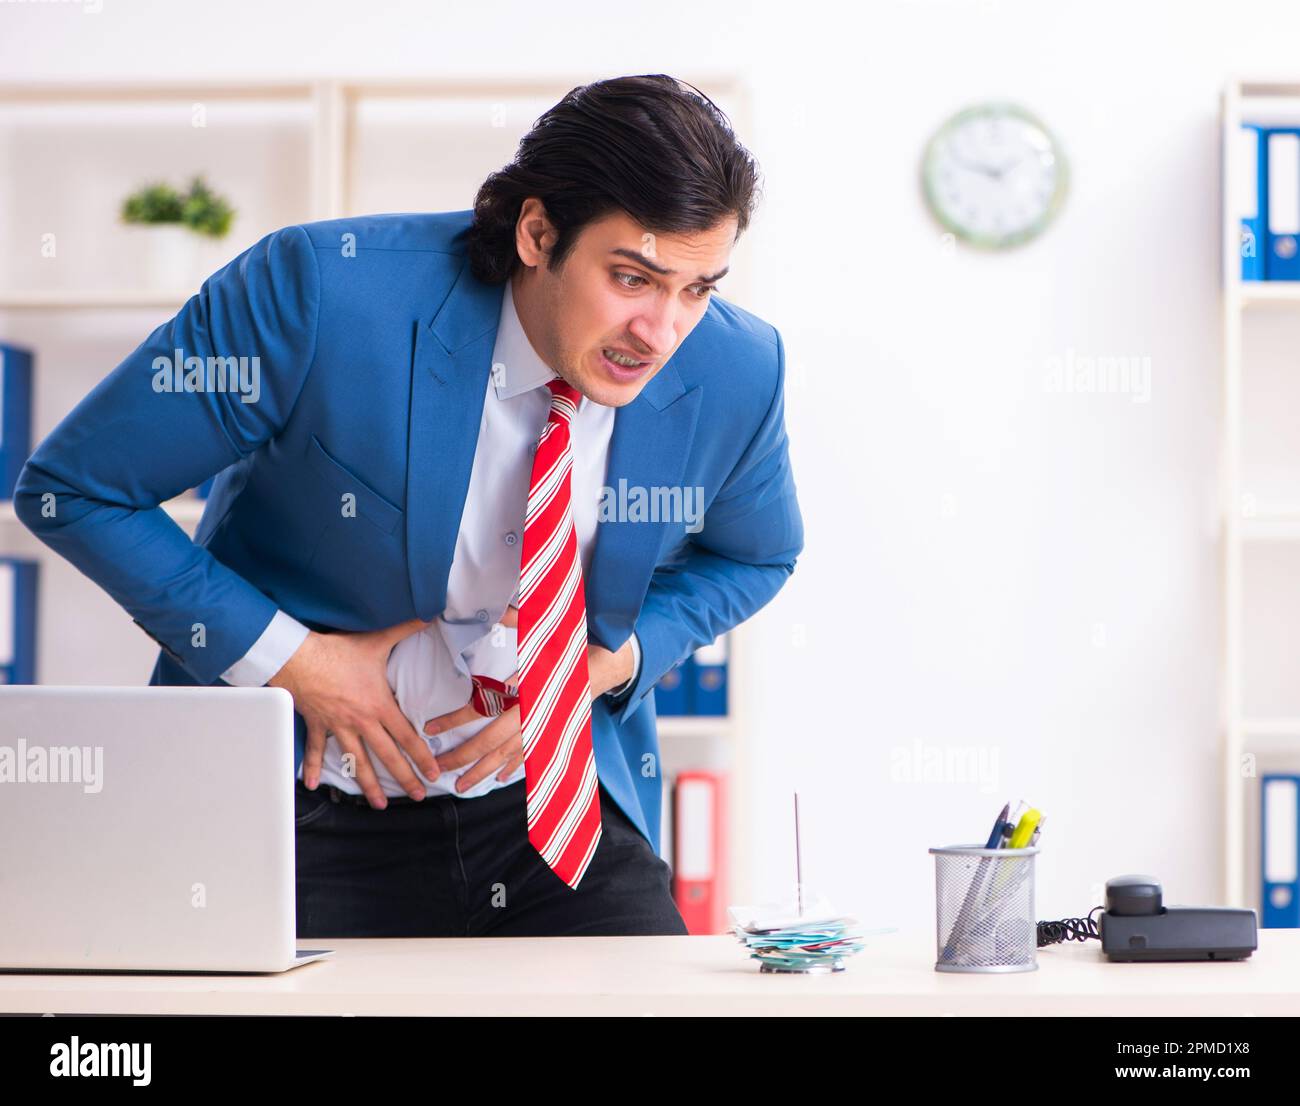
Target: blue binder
(710,691)
(1251,158)
(18,580)
(15,415)
(1279,847)
(1282,235)
(673,689)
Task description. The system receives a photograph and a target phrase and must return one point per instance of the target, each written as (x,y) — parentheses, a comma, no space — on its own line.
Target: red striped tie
(490,697)
(554,689)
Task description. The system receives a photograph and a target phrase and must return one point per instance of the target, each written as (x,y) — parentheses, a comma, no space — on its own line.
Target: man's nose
(656,332)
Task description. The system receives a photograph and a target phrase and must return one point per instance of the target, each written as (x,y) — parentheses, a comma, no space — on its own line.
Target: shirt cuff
(270,652)
(624,688)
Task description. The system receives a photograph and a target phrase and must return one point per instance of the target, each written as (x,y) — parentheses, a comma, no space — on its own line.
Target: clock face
(994,176)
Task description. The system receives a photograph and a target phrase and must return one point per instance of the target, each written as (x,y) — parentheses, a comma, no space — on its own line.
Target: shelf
(1268,86)
(1281,110)
(1266,292)
(184,509)
(691,725)
(1271,527)
(79,93)
(40,301)
(1269,727)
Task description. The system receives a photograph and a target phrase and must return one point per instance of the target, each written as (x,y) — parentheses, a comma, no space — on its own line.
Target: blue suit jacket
(374,365)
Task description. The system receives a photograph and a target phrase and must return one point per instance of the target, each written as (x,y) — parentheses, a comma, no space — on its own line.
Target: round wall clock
(994,176)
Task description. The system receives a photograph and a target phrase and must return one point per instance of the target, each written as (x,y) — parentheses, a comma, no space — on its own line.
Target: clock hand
(983,170)
(1012,166)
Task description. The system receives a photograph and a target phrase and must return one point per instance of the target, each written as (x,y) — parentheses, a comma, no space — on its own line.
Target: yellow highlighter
(1025,828)
(1020,837)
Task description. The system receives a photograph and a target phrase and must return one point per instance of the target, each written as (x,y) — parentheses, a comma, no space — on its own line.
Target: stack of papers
(784,941)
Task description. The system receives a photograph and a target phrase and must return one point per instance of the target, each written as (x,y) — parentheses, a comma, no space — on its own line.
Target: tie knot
(564,398)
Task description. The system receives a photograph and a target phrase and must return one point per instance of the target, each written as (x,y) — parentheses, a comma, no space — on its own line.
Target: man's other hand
(339,684)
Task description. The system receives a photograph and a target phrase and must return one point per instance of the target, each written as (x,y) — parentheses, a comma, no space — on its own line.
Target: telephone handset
(1136,926)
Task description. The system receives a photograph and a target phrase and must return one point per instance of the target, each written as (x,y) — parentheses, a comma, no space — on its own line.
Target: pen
(972,892)
(999,828)
(1008,886)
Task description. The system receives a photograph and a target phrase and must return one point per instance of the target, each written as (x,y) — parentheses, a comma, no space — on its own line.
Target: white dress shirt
(429,671)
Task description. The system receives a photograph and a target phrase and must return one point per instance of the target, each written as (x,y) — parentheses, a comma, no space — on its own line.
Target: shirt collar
(523,369)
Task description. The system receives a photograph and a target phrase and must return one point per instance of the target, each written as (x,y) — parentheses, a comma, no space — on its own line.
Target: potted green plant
(172,221)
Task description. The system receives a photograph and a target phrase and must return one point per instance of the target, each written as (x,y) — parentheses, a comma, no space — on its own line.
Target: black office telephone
(1136,926)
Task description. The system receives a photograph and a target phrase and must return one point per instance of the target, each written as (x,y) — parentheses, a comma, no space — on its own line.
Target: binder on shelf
(15,415)
(699,851)
(18,579)
(1250,159)
(1282,235)
(666,836)
(1279,846)
(709,694)
(672,692)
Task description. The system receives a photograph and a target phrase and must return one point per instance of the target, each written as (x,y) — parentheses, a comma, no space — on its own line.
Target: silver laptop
(147,829)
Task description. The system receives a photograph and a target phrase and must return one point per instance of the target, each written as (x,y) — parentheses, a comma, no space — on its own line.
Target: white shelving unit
(451,133)
(1248,525)
(1257,293)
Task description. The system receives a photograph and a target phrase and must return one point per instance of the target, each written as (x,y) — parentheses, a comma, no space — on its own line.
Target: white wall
(989,566)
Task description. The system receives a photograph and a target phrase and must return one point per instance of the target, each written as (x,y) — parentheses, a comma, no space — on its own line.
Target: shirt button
(481,615)
(512,538)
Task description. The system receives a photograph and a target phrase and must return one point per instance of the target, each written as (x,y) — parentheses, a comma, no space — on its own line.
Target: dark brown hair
(652,146)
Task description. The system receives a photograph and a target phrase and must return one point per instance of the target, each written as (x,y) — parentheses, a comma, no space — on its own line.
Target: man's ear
(535,236)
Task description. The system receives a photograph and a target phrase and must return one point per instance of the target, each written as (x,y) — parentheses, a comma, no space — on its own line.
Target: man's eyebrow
(640,259)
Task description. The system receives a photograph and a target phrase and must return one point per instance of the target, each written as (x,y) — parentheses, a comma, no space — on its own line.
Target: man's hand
(339,684)
(500,741)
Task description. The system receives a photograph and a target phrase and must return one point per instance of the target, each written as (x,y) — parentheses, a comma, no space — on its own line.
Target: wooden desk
(893,976)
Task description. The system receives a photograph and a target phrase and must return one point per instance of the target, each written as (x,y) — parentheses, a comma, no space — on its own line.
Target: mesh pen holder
(984,909)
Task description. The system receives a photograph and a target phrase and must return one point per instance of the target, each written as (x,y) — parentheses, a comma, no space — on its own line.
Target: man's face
(621,290)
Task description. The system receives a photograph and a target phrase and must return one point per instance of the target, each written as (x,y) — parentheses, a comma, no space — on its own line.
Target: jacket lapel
(648,448)
(449,379)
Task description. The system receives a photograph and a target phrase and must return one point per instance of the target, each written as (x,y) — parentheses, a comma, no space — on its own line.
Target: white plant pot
(170,257)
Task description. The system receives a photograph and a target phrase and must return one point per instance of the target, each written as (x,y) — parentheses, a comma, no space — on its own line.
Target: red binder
(699,851)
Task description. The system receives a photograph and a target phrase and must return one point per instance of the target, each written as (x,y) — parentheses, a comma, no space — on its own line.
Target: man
(443,429)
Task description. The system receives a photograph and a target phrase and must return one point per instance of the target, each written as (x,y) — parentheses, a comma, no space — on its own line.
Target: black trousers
(452,867)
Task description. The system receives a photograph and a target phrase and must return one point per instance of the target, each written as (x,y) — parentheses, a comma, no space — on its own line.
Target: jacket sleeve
(745,551)
(269,653)
(92,489)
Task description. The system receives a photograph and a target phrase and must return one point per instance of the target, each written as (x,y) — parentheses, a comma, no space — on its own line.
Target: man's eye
(625,279)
